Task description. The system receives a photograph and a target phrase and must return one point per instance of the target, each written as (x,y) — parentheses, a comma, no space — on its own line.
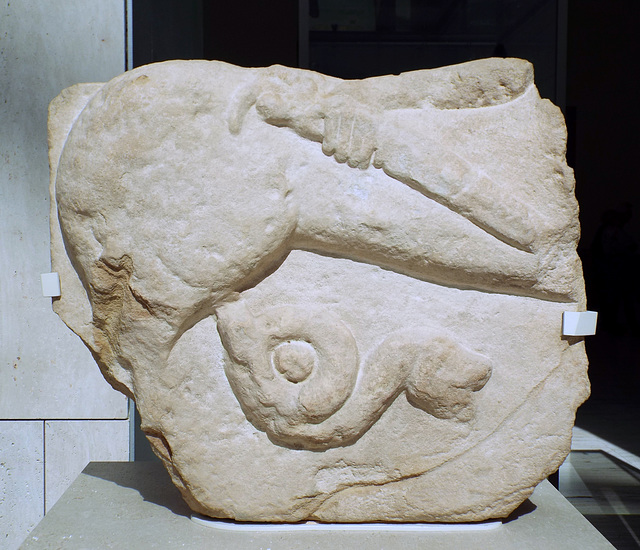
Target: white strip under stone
(314,526)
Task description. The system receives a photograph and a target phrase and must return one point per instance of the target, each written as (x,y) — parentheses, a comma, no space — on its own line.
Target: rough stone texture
(331,300)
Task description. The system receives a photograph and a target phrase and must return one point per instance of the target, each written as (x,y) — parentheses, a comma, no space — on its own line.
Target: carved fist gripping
(346,127)
(350,132)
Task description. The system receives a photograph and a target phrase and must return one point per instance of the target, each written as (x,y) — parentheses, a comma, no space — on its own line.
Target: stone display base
(135,505)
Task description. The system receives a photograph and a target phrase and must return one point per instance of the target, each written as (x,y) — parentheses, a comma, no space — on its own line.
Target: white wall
(56,411)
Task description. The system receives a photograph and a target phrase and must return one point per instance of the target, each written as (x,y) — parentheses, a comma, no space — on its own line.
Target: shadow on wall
(611,268)
(613,273)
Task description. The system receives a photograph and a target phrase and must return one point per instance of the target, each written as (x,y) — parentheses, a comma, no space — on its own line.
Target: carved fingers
(350,133)
(345,127)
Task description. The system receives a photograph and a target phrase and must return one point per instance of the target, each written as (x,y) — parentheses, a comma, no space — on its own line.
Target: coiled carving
(294,372)
(290,366)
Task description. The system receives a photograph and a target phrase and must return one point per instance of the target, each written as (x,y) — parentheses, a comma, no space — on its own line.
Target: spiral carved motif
(294,372)
(290,366)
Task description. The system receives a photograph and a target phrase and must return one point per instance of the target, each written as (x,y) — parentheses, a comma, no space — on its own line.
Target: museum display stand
(135,505)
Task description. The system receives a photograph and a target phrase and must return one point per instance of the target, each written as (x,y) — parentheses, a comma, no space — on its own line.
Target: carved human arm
(344,115)
(399,122)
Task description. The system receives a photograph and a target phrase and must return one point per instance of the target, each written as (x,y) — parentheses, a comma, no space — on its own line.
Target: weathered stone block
(331,300)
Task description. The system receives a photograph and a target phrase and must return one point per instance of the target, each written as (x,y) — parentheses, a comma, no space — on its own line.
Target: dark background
(585,54)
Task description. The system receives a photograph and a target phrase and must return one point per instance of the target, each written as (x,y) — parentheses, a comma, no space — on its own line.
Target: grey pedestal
(127,505)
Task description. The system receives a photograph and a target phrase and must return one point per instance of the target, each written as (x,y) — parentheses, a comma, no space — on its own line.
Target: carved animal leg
(370,217)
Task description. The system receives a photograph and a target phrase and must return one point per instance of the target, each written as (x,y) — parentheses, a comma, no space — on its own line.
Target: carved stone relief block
(331,300)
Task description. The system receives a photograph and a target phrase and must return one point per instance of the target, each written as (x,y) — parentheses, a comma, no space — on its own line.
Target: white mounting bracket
(50,284)
(579,323)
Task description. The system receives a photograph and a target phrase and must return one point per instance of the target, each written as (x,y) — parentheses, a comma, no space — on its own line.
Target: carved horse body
(181,185)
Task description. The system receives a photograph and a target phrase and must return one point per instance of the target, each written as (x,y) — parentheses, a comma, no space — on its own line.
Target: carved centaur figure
(331,300)
(182,184)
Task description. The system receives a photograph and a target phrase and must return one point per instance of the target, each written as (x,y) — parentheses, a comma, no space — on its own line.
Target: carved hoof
(443,383)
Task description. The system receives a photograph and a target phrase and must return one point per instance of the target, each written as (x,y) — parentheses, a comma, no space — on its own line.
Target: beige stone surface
(331,300)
